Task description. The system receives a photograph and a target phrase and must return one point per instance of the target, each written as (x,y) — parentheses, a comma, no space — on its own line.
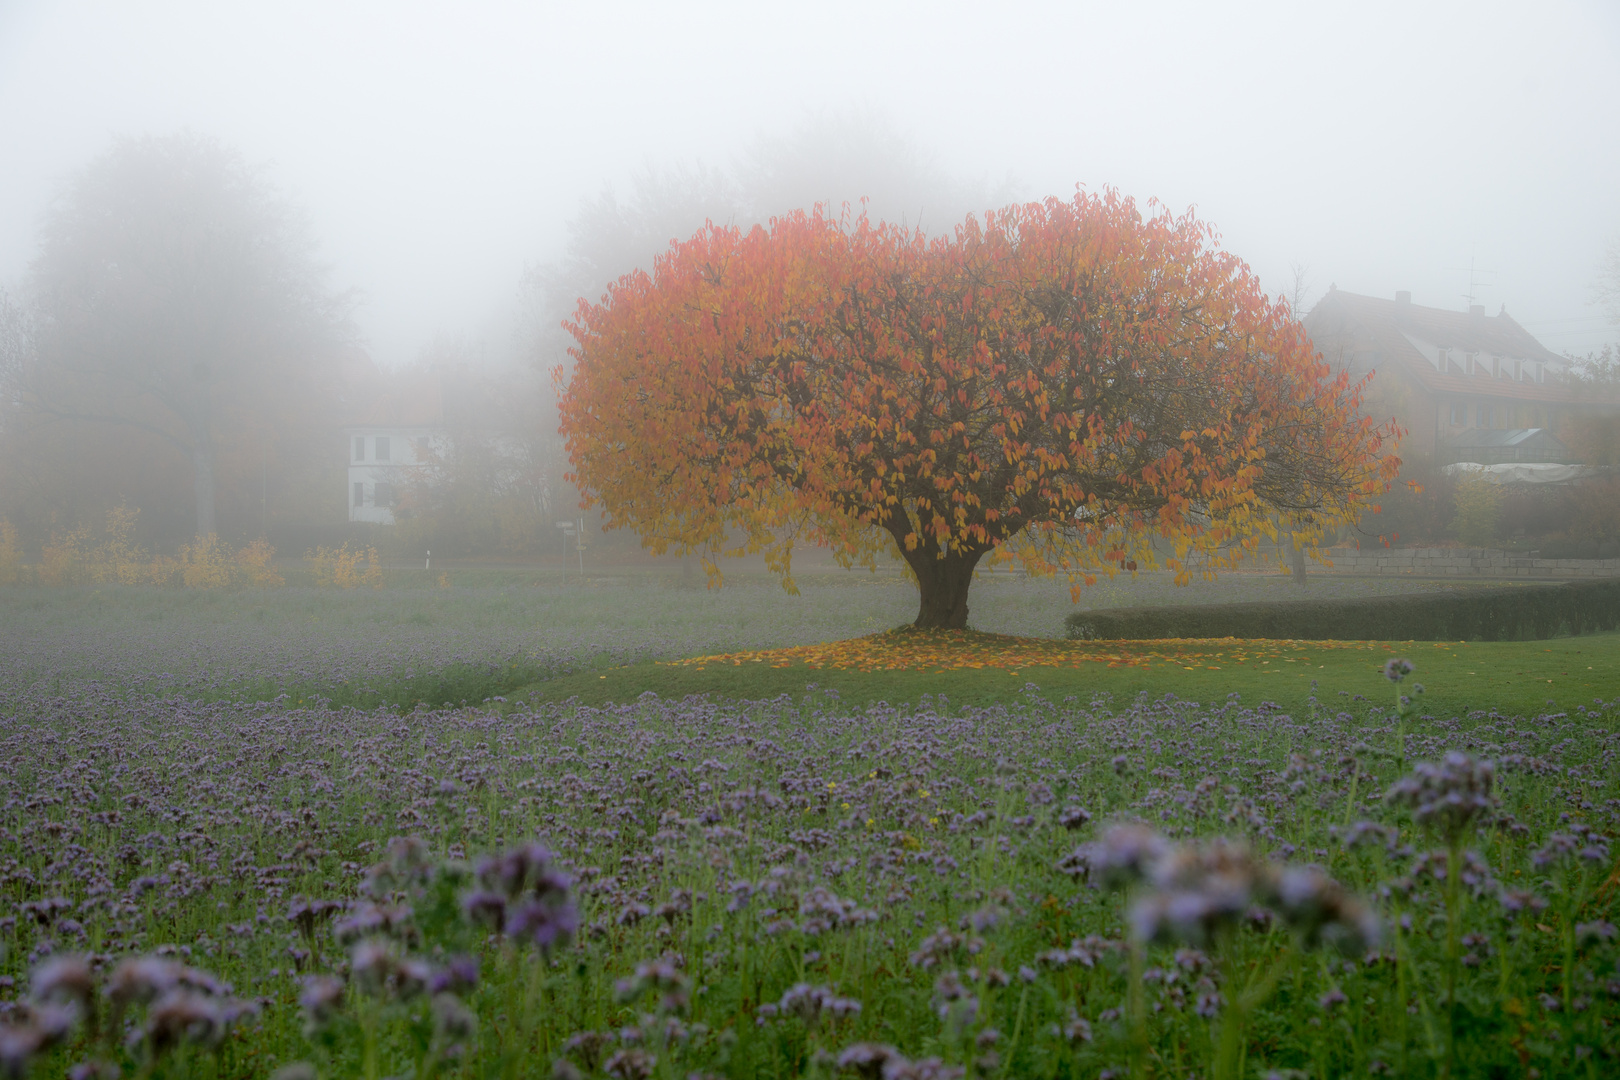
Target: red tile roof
(1385,332)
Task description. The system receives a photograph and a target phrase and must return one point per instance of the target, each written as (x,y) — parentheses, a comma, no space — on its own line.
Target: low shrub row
(1579,549)
(1511,613)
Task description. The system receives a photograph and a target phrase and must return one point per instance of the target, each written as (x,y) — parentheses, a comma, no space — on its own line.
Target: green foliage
(1476,509)
(1502,614)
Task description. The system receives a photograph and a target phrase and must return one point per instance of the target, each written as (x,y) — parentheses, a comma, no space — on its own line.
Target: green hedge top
(1510,613)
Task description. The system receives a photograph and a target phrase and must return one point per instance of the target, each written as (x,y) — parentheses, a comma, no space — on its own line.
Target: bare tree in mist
(858,157)
(488,484)
(855,156)
(16,353)
(1299,289)
(1606,290)
(610,236)
(176,295)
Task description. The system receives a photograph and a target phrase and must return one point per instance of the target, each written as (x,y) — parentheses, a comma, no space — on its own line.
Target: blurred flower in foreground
(524,895)
(1197,892)
(1448,797)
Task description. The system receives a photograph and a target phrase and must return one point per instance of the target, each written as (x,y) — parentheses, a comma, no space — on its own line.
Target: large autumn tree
(1073,385)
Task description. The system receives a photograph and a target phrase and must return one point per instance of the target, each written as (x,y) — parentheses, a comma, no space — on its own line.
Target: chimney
(1403,297)
(1477,310)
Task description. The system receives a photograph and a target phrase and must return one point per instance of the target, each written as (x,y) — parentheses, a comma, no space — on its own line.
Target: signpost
(576,530)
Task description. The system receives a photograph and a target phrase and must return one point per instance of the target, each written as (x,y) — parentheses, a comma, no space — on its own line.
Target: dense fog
(412,199)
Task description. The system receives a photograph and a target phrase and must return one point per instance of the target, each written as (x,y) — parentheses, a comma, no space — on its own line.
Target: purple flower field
(196,886)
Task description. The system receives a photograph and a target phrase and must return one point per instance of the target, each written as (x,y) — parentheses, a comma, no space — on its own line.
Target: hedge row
(1514,613)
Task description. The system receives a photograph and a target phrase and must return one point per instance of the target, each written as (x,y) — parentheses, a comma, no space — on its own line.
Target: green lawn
(1506,676)
(526,635)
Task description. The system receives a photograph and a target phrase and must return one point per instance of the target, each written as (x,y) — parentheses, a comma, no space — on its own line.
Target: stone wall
(1463,562)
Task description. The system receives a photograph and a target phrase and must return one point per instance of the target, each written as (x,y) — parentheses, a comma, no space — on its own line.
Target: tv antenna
(1474,284)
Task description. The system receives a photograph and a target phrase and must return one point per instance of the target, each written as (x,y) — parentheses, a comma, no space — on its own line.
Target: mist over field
(438,187)
(442,150)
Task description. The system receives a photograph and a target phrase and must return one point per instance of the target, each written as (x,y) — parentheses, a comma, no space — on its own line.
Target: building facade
(1466,386)
(383,461)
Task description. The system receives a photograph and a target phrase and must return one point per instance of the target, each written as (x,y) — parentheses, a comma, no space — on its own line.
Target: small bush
(345,567)
(254,565)
(1515,613)
(204,564)
(74,558)
(1478,504)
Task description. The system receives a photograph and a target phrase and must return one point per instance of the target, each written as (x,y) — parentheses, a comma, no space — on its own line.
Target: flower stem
(1138,1016)
(1453,928)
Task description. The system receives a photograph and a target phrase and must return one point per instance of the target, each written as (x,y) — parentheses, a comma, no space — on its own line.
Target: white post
(566,528)
(429,564)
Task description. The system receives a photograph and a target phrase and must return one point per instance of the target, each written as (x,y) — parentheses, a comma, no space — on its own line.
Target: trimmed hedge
(1516,613)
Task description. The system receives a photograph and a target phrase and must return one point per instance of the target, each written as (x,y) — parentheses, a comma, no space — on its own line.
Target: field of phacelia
(197,886)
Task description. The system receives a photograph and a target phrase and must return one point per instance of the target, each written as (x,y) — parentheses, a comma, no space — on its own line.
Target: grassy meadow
(628,827)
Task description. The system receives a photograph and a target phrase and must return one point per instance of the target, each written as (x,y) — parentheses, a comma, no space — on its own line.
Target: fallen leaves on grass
(949,650)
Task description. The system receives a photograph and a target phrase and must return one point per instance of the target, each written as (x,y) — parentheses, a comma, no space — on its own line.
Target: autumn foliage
(1072,385)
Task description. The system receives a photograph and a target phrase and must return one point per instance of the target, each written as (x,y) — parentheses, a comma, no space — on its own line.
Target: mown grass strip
(979,669)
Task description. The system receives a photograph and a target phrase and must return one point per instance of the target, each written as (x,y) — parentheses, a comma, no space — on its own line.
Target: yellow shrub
(164,570)
(341,568)
(118,560)
(205,564)
(63,560)
(253,565)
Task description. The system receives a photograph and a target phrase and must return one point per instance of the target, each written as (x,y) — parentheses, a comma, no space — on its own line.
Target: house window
(359,448)
(1459,414)
(384,495)
(359,493)
(382,448)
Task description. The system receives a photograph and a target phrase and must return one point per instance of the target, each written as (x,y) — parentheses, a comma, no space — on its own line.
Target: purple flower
(1073,817)
(546,923)
(320,999)
(868,1061)
(64,978)
(811,1003)
(1122,856)
(458,975)
(1448,797)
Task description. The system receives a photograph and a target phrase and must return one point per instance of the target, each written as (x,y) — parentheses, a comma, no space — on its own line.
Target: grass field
(530,633)
(974,669)
(241,835)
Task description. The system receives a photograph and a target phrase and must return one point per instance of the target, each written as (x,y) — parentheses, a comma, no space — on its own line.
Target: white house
(383,460)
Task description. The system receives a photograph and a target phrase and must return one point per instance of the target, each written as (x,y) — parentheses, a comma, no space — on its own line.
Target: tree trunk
(1296,560)
(202,475)
(942,585)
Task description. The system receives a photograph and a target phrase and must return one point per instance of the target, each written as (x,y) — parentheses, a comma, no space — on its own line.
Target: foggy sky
(440,148)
